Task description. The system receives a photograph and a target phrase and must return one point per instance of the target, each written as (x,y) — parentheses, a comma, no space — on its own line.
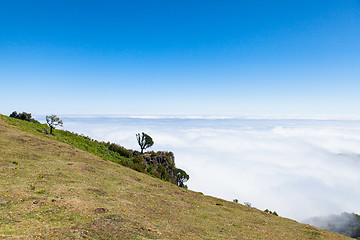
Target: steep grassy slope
(52,190)
(160,164)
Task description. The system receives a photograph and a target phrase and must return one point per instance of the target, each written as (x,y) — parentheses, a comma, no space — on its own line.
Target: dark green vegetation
(346,223)
(144,141)
(271,212)
(23,116)
(157,164)
(51,190)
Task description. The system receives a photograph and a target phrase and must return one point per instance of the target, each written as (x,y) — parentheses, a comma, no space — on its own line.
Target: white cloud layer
(298,168)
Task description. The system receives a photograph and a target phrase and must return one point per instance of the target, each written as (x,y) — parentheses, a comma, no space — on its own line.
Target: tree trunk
(51,128)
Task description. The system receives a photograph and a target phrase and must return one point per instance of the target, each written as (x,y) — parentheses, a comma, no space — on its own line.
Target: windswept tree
(181,177)
(144,140)
(53,121)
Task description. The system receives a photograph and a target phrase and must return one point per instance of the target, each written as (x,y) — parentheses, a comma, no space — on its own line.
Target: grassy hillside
(157,164)
(51,190)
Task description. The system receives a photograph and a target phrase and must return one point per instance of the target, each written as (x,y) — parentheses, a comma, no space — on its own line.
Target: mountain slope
(52,190)
(159,164)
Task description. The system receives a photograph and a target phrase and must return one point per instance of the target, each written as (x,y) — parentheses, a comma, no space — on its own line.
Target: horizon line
(207,117)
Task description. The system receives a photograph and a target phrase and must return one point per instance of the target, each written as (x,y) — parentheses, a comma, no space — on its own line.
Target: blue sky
(233,58)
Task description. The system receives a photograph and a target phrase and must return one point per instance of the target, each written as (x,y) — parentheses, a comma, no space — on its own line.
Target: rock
(100,210)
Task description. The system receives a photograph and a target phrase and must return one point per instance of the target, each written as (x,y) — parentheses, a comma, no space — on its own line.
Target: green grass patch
(313,234)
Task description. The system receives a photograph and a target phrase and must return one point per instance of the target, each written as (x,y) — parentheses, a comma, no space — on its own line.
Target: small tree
(53,121)
(181,177)
(144,140)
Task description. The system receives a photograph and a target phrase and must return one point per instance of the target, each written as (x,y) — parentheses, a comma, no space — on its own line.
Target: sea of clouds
(298,168)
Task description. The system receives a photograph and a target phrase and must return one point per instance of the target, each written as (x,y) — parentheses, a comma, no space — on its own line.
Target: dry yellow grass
(55,191)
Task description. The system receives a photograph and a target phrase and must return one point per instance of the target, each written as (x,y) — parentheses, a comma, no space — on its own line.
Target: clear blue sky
(233,58)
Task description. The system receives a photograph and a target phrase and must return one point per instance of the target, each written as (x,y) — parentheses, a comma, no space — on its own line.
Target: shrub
(137,160)
(270,212)
(23,116)
(165,175)
(140,167)
(136,153)
(247,204)
(150,170)
(121,150)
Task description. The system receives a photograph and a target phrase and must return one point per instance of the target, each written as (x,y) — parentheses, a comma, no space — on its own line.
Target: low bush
(271,212)
(121,150)
(247,204)
(23,116)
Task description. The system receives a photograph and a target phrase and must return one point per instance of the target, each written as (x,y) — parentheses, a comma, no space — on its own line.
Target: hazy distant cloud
(345,223)
(297,168)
